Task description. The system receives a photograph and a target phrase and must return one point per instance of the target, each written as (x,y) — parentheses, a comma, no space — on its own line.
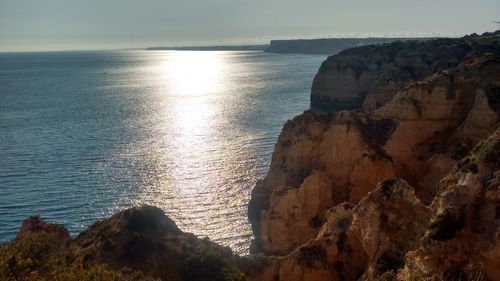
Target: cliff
(370,76)
(325,46)
(391,234)
(398,192)
(406,189)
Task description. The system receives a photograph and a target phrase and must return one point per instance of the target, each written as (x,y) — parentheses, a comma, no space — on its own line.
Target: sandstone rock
(356,240)
(462,240)
(35,225)
(417,136)
(372,75)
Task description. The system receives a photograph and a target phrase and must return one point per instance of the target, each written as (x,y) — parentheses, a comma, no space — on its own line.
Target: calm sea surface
(85,134)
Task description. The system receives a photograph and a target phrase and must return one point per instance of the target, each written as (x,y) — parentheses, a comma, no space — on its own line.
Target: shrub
(387,263)
(386,276)
(144,219)
(212,264)
(444,227)
(468,164)
(386,185)
(42,257)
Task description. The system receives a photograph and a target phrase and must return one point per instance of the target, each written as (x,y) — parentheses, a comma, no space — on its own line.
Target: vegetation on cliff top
(43,257)
(138,244)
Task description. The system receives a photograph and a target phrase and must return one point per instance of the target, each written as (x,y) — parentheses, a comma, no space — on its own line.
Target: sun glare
(191,73)
(195,79)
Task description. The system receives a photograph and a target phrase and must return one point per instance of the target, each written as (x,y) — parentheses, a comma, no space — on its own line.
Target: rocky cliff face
(409,190)
(391,234)
(370,76)
(462,241)
(323,160)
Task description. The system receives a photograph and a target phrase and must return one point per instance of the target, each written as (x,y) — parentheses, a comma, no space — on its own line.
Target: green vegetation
(212,264)
(387,263)
(43,258)
(145,218)
(386,276)
(386,185)
(418,277)
(490,154)
(444,227)
(468,164)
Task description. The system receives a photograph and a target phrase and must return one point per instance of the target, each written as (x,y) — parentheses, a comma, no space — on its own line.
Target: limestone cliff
(407,189)
(462,240)
(322,160)
(391,234)
(370,76)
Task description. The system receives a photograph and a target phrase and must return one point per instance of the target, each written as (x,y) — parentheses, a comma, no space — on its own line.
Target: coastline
(381,192)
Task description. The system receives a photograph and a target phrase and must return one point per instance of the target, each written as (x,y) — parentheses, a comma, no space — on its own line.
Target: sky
(40,25)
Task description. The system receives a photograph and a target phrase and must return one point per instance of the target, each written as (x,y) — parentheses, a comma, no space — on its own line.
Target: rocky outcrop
(370,76)
(409,190)
(33,226)
(143,239)
(462,241)
(356,241)
(322,160)
(391,234)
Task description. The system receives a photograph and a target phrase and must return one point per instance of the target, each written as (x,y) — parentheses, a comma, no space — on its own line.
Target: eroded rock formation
(325,167)
(392,235)
(370,76)
(320,161)
(406,189)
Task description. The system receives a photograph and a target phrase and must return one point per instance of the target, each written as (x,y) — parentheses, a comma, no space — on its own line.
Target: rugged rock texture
(406,191)
(370,76)
(32,226)
(462,241)
(391,234)
(357,241)
(142,239)
(323,160)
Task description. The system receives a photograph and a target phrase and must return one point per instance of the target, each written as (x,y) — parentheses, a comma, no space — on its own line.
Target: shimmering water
(85,134)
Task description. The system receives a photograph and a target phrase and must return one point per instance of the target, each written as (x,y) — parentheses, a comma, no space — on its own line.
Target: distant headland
(321,46)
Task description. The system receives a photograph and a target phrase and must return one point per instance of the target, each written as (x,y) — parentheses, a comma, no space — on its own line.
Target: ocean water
(86,134)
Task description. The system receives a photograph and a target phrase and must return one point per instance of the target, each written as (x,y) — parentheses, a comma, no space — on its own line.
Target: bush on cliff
(43,257)
(212,264)
(444,227)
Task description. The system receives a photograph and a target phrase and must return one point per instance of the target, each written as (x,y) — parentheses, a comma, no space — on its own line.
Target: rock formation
(142,239)
(419,132)
(392,235)
(462,241)
(407,188)
(370,76)
(320,161)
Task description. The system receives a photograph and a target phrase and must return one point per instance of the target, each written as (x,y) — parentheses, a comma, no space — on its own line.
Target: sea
(84,135)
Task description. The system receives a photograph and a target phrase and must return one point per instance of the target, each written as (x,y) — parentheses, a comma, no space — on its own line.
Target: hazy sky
(95,24)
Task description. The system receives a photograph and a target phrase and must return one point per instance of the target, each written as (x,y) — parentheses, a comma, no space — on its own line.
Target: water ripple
(189,132)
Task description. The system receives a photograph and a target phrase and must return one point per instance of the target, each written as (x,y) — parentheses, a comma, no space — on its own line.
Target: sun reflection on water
(189,132)
(192,73)
(193,81)
(195,78)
